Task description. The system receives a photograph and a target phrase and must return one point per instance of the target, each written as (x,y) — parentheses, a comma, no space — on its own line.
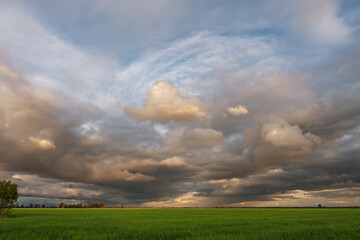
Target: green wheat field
(26,224)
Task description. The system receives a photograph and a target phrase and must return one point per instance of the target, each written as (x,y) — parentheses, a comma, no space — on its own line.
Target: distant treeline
(62,205)
(36,205)
(75,205)
(101,205)
(80,205)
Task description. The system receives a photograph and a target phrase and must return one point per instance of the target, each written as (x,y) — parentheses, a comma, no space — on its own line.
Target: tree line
(75,205)
(62,205)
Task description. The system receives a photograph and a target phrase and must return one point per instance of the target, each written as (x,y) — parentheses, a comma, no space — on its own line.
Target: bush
(8,197)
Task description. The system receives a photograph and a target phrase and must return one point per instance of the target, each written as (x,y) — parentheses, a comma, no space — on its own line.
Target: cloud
(87,151)
(184,140)
(7,72)
(164,103)
(108,171)
(36,187)
(43,143)
(318,21)
(48,61)
(186,61)
(174,161)
(64,134)
(281,134)
(189,199)
(278,143)
(238,110)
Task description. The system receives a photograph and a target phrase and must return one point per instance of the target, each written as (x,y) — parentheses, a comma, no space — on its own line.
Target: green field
(26,224)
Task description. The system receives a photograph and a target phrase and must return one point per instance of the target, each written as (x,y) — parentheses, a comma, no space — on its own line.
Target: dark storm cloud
(51,136)
(77,142)
(309,112)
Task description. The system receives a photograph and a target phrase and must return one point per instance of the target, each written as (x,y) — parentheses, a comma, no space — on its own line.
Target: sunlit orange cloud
(300,198)
(186,200)
(43,143)
(164,103)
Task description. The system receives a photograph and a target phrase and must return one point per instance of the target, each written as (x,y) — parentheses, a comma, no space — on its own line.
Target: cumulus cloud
(43,143)
(164,103)
(281,134)
(238,110)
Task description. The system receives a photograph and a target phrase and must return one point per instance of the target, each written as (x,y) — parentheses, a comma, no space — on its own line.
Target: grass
(27,224)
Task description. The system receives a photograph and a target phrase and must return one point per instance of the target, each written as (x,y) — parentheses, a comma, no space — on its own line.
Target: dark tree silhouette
(8,197)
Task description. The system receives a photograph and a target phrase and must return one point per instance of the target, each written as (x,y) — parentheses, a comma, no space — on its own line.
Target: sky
(181,103)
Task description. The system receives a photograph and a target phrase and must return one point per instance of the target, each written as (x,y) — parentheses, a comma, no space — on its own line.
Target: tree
(8,197)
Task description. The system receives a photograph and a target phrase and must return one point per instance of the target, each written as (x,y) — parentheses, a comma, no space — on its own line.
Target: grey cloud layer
(260,125)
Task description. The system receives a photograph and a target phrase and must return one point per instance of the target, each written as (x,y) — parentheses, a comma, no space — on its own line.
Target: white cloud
(238,110)
(318,20)
(164,103)
(184,61)
(281,134)
(174,161)
(47,60)
(43,143)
